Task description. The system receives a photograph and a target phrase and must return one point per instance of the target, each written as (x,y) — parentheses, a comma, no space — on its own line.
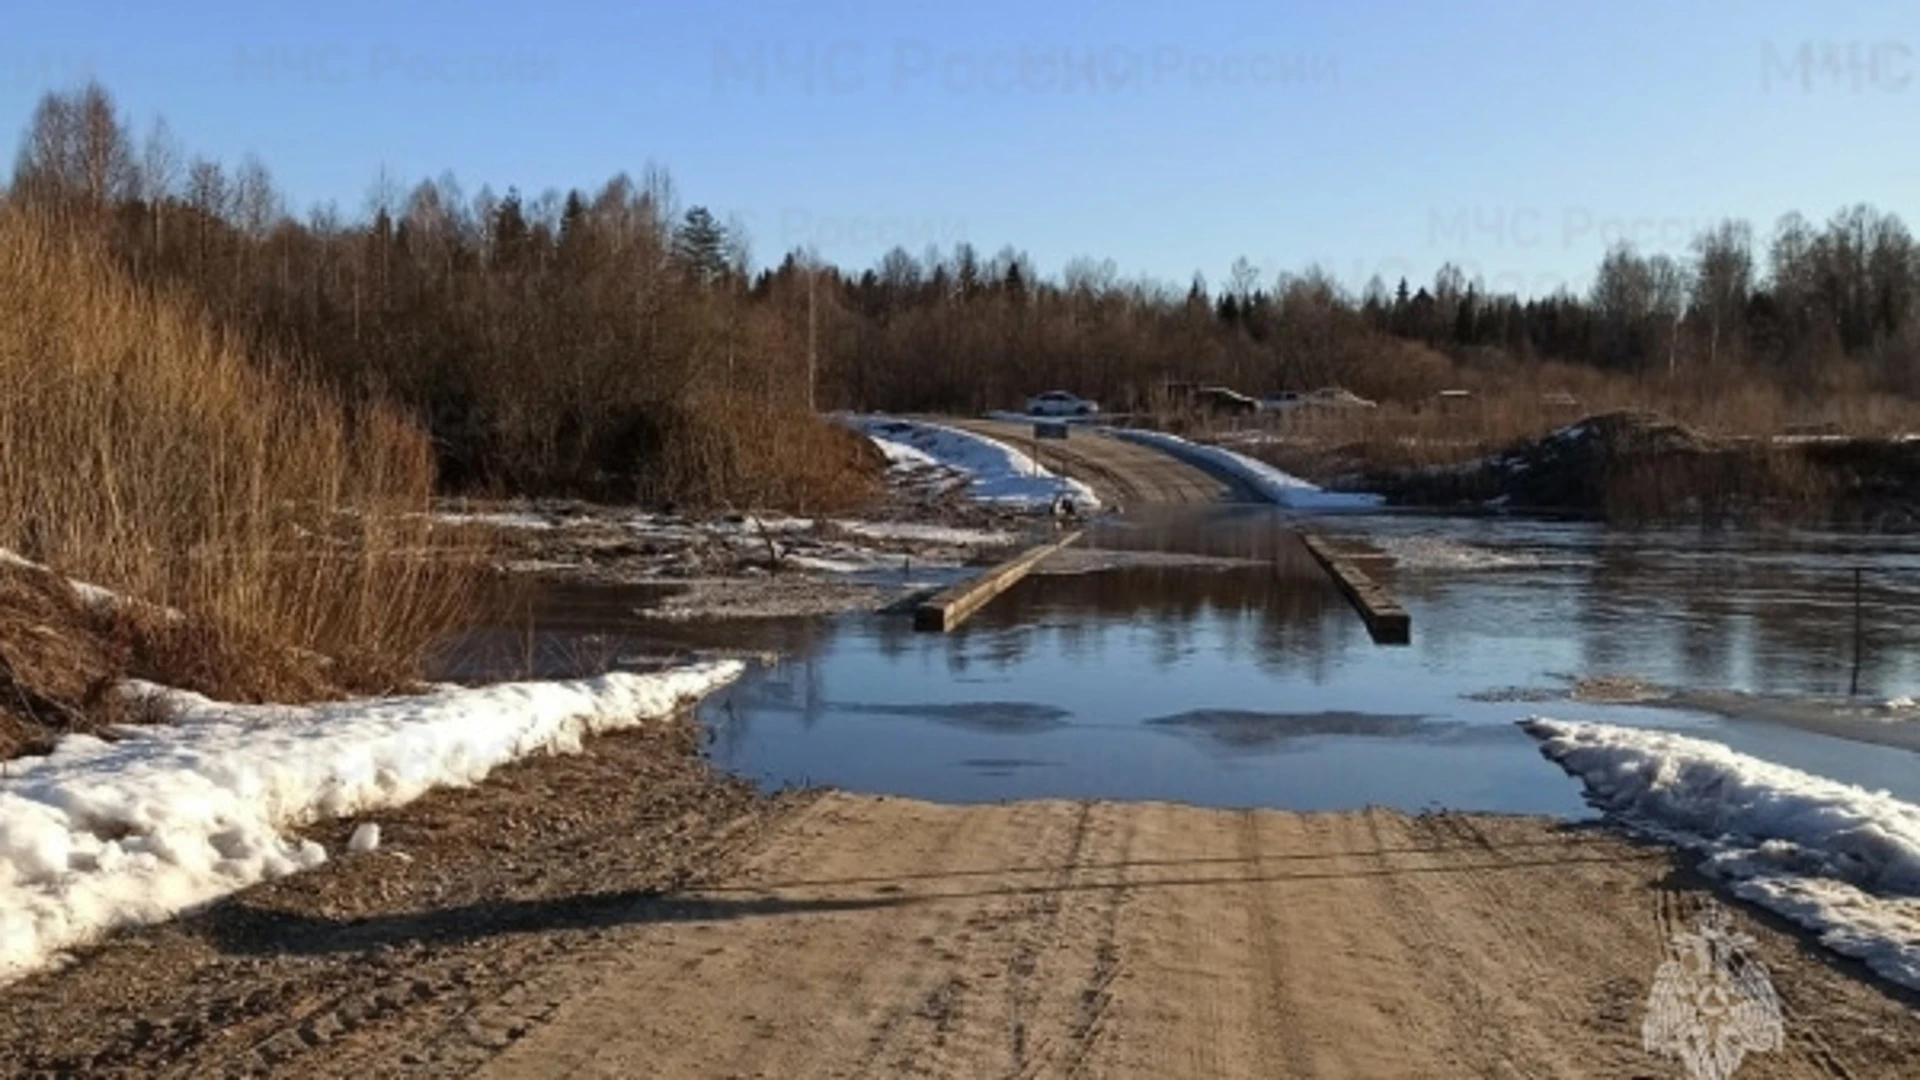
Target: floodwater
(1255,684)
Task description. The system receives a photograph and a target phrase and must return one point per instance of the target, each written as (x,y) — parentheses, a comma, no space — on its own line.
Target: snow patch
(100,599)
(996,472)
(1839,860)
(901,455)
(98,835)
(494,519)
(1282,488)
(824,565)
(916,532)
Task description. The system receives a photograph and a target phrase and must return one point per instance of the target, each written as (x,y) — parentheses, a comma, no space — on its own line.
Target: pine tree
(1016,282)
(511,241)
(700,243)
(1466,319)
(966,265)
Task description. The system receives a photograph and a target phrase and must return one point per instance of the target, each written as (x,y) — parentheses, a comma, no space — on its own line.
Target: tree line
(613,342)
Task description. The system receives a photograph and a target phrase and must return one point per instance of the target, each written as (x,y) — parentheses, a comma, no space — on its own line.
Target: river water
(1253,683)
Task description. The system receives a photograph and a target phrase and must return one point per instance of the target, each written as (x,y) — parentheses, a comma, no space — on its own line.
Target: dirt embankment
(65,653)
(625,913)
(1635,466)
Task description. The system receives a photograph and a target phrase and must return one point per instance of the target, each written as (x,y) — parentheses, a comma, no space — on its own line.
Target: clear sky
(1516,139)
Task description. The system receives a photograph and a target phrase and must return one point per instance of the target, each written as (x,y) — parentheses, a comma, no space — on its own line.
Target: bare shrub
(144,452)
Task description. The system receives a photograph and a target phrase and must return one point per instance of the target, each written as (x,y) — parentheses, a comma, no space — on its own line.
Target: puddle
(1244,679)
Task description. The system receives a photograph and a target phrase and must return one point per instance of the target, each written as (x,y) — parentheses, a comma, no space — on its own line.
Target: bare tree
(1723,281)
(76,150)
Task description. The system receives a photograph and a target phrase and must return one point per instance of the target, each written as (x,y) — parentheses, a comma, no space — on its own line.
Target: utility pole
(813,339)
(813,335)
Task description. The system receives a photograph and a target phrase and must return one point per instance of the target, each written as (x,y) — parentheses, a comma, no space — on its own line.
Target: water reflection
(1241,729)
(1251,682)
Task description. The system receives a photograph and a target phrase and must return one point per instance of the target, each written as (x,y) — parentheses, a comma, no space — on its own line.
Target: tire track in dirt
(1068,958)
(1096,993)
(840,935)
(1039,928)
(1277,975)
(1493,973)
(957,1025)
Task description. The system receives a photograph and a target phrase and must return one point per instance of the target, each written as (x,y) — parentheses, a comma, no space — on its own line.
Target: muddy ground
(627,913)
(735,566)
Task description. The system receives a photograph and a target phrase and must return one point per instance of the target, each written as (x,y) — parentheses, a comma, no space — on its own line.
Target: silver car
(1060,403)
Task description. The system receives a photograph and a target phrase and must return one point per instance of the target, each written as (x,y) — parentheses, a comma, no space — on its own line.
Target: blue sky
(1516,139)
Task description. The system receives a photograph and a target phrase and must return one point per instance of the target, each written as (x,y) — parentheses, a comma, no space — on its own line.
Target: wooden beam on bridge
(952,606)
(1387,622)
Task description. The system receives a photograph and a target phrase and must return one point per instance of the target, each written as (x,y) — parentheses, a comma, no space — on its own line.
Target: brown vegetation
(1632,467)
(609,344)
(605,347)
(567,343)
(1755,445)
(145,453)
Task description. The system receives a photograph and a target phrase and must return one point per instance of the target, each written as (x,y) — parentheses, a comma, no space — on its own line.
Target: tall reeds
(141,450)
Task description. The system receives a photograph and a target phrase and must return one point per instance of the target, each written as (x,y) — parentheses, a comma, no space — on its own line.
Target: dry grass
(144,452)
(1736,467)
(710,452)
(1508,403)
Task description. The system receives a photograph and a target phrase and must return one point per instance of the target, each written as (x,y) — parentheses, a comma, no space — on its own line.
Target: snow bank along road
(611,915)
(1122,474)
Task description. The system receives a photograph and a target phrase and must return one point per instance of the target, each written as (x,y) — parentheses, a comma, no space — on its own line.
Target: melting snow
(1273,484)
(98,835)
(495,519)
(100,599)
(1839,860)
(996,472)
(926,534)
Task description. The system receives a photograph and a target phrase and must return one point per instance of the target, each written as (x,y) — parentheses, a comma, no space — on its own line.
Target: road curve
(1123,474)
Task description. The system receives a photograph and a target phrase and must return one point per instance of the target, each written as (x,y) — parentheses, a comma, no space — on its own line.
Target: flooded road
(1247,681)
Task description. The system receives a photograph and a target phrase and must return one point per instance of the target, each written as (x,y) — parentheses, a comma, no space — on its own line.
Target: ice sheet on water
(1440,553)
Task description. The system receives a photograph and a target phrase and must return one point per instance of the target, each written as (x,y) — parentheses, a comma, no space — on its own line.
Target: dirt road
(610,915)
(1070,939)
(1123,474)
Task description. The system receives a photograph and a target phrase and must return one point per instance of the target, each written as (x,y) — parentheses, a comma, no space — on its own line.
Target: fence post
(1854,689)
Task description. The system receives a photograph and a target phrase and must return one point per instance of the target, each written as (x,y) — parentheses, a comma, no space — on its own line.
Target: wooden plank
(1386,620)
(952,606)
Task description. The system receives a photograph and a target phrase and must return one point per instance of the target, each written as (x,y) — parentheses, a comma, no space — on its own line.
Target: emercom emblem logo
(1712,1002)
